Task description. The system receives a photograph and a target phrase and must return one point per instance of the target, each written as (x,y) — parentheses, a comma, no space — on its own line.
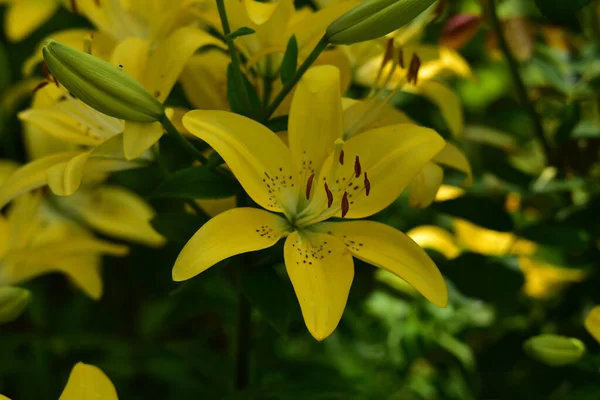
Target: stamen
(357,168)
(329,196)
(48,75)
(87,44)
(74,6)
(389,53)
(309,185)
(413,70)
(341,159)
(40,86)
(345,205)
(401,57)
(367,185)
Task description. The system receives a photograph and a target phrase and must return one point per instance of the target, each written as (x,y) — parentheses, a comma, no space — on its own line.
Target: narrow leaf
(243,31)
(196,183)
(290,61)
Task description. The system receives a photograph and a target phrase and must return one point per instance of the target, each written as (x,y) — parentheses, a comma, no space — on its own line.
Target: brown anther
(367,184)
(309,185)
(401,58)
(389,53)
(345,205)
(413,70)
(357,168)
(74,6)
(46,72)
(40,86)
(97,2)
(329,196)
(341,157)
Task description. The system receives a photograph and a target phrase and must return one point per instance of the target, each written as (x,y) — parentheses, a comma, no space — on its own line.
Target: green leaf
(196,183)
(483,211)
(569,119)
(270,295)
(5,75)
(561,11)
(278,124)
(243,31)
(553,234)
(290,61)
(235,96)
(177,226)
(484,278)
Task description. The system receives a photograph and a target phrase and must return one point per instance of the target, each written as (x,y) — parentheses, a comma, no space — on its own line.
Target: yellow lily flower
(25,16)
(592,323)
(35,241)
(316,178)
(542,280)
(274,23)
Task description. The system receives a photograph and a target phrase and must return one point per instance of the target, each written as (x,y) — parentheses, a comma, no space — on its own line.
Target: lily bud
(555,350)
(100,84)
(13,301)
(374,18)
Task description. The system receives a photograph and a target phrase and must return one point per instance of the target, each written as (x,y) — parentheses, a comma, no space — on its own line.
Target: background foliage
(159,339)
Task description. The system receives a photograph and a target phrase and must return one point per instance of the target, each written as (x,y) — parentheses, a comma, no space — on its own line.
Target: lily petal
(423,188)
(138,137)
(446,100)
(65,178)
(315,120)
(88,382)
(435,238)
(453,157)
(233,232)
(204,80)
(131,54)
(388,248)
(256,156)
(25,16)
(592,323)
(321,270)
(170,57)
(31,176)
(115,211)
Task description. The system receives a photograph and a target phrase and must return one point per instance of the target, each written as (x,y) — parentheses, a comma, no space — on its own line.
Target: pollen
(309,185)
(345,205)
(357,167)
(329,196)
(413,69)
(367,185)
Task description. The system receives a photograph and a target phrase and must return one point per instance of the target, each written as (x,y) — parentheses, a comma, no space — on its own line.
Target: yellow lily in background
(592,323)
(274,23)
(316,178)
(542,279)
(25,16)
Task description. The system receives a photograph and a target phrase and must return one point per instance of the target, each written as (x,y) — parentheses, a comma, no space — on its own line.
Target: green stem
(244,323)
(171,130)
(513,66)
(312,57)
(235,61)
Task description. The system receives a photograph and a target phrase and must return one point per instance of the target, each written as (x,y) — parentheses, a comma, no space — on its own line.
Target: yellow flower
(36,241)
(88,382)
(25,16)
(592,323)
(316,178)
(204,79)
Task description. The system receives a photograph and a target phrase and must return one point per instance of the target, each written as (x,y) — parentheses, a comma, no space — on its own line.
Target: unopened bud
(555,350)
(100,84)
(374,18)
(13,301)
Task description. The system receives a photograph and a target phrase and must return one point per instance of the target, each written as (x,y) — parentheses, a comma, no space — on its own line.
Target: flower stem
(287,88)
(171,130)
(235,61)
(518,81)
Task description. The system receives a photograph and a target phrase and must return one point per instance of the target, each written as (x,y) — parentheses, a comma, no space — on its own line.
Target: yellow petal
(204,80)
(392,156)
(31,176)
(233,232)
(542,280)
(388,248)
(339,59)
(315,120)
(60,126)
(131,55)
(214,207)
(7,167)
(445,99)
(4,236)
(321,270)
(435,238)
(88,382)
(65,178)
(25,16)
(361,115)
(115,211)
(592,323)
(138,137)
(256,156)
(453,157)
(482,240)
(423,188)
(3,397)
(169,58)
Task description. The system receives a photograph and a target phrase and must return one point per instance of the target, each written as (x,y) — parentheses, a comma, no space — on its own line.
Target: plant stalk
(171,130)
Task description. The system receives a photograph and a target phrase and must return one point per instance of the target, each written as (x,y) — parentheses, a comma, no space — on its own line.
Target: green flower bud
(374,18)
(100,84)
(554,350)
(13,301)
